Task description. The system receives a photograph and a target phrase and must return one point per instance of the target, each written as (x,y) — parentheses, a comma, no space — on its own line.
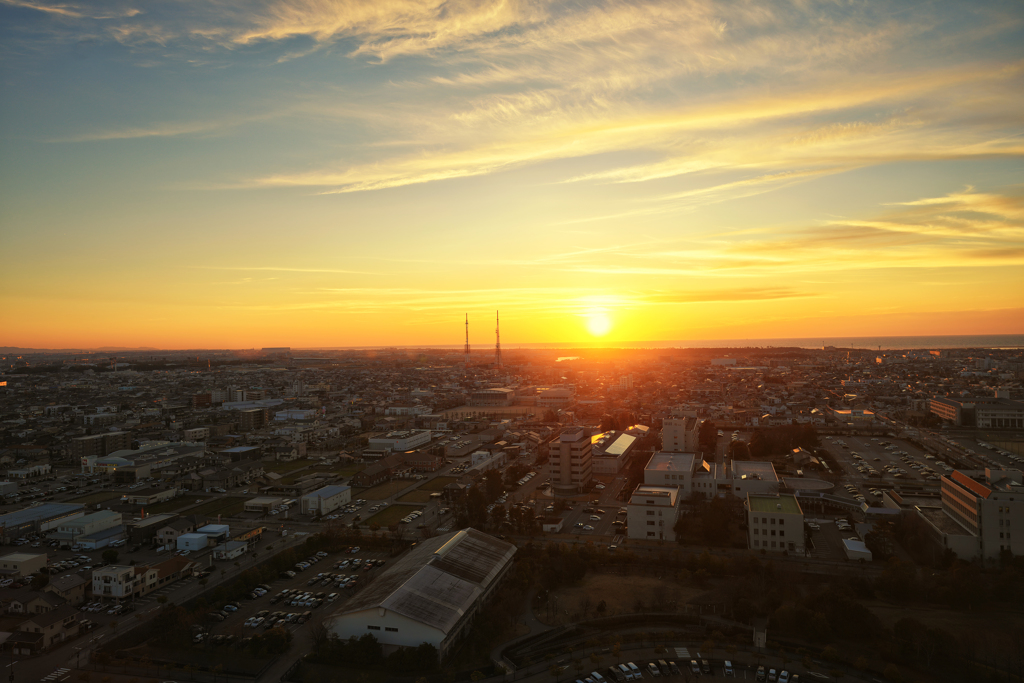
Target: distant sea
(986,341)
(950,341)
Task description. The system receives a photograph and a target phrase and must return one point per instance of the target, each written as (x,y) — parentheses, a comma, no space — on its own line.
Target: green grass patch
(438,483)
(220,506)
(283,467)
(417,496)
(390,515)
(386,490)
(175,504)
(99,497)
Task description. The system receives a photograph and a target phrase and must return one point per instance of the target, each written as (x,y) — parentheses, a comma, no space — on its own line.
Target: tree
(39,581)
(110,556)
(707,436)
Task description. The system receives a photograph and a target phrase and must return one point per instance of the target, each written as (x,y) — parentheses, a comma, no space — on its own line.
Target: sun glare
(599,323)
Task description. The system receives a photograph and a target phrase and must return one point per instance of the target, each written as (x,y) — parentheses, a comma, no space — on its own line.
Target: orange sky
(366,172)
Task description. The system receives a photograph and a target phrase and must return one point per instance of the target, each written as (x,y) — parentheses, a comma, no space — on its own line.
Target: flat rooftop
(789,504)
(671,462)
(660,491)
(941,521)
(764,471)
(44,511)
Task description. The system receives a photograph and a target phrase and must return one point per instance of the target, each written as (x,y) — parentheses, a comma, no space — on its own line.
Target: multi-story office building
(988,506)
(775,523)
(680,434)
(570,461)
(671,469)
(253,418)
(652,513)
(985,412)
(100,444)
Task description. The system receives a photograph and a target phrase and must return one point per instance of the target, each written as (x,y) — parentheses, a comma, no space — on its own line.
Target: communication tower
(466,351)
(497,337)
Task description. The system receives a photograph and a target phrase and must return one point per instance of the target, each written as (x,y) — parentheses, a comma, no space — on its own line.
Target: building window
(773,544)
(651,523)
(773,520)
(650,512)
(393,630)
(373,628)
(755,532)
(782,532)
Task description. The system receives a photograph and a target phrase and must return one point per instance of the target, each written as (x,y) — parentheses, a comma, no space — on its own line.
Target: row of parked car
(122,608)
(773,676)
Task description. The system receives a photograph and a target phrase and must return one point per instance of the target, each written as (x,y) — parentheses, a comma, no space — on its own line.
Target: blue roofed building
(326,500)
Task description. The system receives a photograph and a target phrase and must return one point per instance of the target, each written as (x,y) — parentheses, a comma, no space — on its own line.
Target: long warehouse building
(429,596)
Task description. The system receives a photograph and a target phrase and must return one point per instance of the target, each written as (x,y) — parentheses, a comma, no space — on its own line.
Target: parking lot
(286,600)
(882,463)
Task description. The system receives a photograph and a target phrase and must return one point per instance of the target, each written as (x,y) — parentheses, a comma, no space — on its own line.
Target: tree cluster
(768,442)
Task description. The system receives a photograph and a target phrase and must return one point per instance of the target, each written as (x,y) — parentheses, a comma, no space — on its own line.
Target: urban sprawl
(593,515)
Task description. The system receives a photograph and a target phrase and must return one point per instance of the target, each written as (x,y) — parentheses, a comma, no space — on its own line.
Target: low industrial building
(431,595)
(856,550)
(193,542)
(101,539)
(326,500)
(775,524)
(610,451)
(230,550)
(397,442)
(264,505)
(151,496)
(21,564)
(88,523)
(156,455)
(145,530)
(37,519)
(215,532)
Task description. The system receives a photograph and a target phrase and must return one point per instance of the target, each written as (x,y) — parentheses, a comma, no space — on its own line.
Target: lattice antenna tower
(497,338)
(466,351)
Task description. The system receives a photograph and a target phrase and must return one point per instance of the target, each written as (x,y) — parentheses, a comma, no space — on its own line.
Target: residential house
(55,626)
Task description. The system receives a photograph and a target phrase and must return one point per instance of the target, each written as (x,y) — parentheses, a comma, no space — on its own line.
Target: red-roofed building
(987,507)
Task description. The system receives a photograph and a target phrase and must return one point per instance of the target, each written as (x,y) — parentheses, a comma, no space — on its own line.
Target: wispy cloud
(284,269)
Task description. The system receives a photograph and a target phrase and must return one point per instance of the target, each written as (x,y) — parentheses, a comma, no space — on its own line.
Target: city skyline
(309,174)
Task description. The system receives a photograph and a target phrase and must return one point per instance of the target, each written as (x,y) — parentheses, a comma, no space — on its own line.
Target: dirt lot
(438,483)
(386,490)
(220,506)
(620,593)
(417,496)
(285,467)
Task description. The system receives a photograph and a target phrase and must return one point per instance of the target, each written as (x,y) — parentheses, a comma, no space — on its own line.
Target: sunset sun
(598,323)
